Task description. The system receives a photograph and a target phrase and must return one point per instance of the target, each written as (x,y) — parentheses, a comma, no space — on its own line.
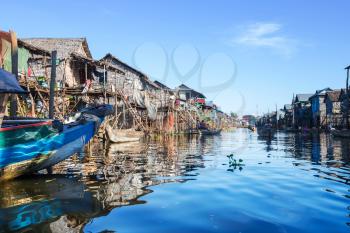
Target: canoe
(209,132)
(30,147)
(122,135)
(251,128)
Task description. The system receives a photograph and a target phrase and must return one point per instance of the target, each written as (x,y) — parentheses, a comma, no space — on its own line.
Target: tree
(234,115)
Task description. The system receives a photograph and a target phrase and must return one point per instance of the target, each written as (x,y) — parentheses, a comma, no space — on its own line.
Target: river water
(233,182)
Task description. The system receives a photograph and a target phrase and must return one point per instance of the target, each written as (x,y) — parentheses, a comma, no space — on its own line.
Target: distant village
(324,110)
(140,103)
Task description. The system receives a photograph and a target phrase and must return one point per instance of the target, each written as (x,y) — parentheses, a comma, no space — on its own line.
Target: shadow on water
(111,178)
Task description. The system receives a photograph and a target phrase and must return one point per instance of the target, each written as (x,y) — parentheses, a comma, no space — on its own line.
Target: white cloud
(266,35)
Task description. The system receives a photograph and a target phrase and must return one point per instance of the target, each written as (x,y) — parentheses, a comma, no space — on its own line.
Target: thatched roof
(64,46)
(84,59)
(21,43)
(33,49)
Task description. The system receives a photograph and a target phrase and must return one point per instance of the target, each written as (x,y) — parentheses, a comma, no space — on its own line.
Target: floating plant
(234,163)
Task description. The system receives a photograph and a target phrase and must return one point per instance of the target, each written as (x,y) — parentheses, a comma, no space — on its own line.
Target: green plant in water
(234,163)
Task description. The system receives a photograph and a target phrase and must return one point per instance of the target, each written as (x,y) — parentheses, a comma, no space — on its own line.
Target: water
(293,183)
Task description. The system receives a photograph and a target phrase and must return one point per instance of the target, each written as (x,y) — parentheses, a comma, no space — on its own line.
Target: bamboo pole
(14,60)
(52,85)
(31,99)
(348,97)
(3,105)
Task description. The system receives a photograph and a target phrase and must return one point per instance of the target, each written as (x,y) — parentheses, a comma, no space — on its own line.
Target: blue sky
(247,56)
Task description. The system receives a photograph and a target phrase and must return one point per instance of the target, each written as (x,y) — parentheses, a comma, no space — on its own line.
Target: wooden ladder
(133,111)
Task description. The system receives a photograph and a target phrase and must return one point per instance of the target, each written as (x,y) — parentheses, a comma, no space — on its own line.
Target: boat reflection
(109,178)
(32,204)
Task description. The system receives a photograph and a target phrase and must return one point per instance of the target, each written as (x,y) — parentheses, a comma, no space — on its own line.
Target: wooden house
(74,68)
(268,118)
(302,111)
(33,67)
(152,102)
(287,119)
(31,59)
(333,108)
(133,78)
(80,79)
(185,93)
(344,107)
(318,108)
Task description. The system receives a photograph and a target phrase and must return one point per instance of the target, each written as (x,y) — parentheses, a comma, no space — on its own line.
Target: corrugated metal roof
(186,88)
(303,97)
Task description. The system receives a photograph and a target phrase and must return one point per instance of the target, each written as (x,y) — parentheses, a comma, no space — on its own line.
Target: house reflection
(110,177)
(315,147)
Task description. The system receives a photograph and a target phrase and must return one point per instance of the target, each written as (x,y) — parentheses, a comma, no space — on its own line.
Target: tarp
(9,83)
(151,109)
(98,75)
(143,100)
(23,57)
(6,54)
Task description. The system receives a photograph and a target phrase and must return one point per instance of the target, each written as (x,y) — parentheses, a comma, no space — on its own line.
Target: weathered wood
(3,105)
(52,85)
(14,59)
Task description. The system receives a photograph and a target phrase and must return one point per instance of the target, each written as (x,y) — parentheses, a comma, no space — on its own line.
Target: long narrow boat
(30,145)
(123,135)
(209,131)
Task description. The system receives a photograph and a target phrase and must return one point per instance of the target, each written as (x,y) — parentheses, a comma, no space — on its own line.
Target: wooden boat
(266,131)
(210,131)
(251,128)
(123,135)
(30,145)
(345,133)
(27,146)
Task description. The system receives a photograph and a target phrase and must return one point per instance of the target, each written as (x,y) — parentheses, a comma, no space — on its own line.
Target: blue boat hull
(34,156)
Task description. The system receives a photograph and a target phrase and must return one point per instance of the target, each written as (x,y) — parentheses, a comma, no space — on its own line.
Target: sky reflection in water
(292,183)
